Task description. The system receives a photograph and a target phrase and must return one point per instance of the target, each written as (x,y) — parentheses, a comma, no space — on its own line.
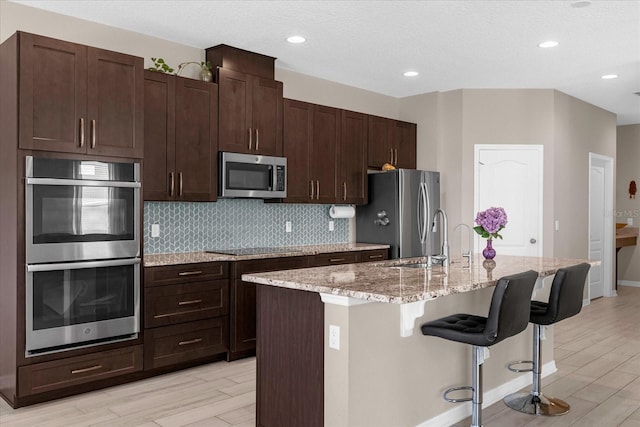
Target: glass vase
(489,252)
(205,75)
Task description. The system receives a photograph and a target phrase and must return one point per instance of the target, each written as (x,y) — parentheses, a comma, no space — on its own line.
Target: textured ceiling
(453,44)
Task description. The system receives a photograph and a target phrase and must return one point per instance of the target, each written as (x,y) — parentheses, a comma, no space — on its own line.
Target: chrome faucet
(469,253)
(443,258)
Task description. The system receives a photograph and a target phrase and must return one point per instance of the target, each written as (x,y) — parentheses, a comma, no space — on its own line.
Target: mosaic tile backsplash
(237,223)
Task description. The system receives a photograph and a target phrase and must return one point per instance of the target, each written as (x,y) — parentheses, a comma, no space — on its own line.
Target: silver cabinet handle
(180,184)
(83,370)
(344,187)
(257,139)
(336,259)
(172,182)
(194,301)
(391,155)
(81,132)
(189,273)
(396,162)
(194,341)
(93,134)
(532,240)
(250,139)
(317,190)
(312,190)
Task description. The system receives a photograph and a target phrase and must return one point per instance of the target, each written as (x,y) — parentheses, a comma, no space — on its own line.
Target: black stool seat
(565,300)
(508,316)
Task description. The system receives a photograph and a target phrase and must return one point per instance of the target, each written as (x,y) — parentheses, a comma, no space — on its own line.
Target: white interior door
(596,230)
(510,176)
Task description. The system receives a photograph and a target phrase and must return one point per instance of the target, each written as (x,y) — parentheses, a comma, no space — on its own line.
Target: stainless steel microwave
(252,176)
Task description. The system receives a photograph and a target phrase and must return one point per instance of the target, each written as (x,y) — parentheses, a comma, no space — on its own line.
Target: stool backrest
(510,306)
(567,290)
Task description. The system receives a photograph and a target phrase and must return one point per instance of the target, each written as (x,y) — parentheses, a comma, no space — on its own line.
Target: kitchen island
(384,372)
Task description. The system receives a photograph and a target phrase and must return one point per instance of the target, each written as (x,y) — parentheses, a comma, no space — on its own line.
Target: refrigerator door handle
(426,205)
(422,213)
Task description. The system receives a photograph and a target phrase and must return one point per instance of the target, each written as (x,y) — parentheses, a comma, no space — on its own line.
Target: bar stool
(508,316)
(565,300)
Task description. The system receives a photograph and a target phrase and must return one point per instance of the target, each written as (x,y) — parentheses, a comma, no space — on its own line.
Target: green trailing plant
(203,65)
(160,66)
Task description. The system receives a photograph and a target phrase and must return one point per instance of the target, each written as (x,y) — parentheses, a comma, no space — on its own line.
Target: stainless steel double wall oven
(82,230)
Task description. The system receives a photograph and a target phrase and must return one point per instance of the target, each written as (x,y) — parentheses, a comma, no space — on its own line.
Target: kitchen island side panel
(290,358)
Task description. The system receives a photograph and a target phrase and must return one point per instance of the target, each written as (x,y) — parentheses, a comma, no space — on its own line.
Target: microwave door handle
(271,172)
(82,182)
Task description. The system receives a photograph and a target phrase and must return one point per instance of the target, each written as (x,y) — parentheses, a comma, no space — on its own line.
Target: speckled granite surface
(392,282)
(154,260)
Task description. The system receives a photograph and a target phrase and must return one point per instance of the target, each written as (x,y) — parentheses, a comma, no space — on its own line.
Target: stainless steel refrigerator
(400,212)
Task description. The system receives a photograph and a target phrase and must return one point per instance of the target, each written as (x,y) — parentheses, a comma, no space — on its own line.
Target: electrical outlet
(155,230)
(334,337)
(332,225)
(629,221)
(287,226)
(557,225)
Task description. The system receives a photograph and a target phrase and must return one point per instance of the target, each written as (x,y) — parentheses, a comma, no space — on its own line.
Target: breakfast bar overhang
(384,372)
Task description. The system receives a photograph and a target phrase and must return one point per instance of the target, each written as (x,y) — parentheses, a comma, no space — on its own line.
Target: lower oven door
(77,304)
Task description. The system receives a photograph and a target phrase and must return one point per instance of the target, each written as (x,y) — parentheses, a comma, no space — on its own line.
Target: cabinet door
(115,103)
(324,152)
(53,94)
(266,114)
(404,145)
(196,145)
(298,128)
(159,131)
(380,139)
(352,186)
(234,115)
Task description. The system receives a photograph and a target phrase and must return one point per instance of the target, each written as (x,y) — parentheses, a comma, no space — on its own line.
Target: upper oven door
(249,175)
(75,218)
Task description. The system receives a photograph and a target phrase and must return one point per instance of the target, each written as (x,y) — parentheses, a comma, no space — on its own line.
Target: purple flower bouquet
(491,222)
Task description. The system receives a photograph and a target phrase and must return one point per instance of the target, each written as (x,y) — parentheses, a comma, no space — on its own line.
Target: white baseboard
(462,411)
(586,302)
(628,283)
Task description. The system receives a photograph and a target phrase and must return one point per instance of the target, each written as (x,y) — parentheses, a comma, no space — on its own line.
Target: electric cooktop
(252,251)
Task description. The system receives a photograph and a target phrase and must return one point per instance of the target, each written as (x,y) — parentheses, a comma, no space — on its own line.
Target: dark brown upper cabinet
(404,145)
(391,141)
(311,143)
(79,99)
(352,180)
(180,156)
(250,115)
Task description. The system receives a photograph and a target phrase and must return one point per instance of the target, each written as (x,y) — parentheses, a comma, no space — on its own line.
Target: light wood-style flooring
(597,354)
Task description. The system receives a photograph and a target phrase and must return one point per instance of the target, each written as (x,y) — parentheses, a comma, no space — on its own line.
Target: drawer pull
(189,273)
(336,259)
(375,256)
(194,301)
(83,370)
(194,341)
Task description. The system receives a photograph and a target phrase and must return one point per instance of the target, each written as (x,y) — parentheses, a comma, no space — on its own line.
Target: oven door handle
(82,182)
(79,265)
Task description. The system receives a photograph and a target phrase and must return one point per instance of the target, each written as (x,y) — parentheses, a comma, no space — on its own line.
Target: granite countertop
(390,282)
(155,260)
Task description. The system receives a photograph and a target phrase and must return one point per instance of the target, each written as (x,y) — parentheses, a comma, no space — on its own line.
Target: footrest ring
(520,362)
(446,397)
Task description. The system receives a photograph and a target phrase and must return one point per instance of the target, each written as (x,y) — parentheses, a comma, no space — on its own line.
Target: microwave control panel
(280,178)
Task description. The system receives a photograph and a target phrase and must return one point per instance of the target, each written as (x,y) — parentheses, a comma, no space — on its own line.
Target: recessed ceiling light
(296,39)
(581,3)
(410,73)
(609,76)
(548,43)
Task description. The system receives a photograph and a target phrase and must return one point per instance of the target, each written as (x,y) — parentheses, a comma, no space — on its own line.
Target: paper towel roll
(342,211)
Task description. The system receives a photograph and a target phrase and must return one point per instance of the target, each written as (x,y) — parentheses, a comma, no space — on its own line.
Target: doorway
(600,226)
(510,176)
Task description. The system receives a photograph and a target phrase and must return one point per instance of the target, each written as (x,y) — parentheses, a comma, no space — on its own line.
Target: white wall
(628,168)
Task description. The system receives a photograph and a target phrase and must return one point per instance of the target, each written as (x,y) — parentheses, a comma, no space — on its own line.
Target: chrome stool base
(528,403)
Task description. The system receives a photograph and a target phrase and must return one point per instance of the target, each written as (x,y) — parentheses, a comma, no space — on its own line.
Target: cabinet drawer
(173,274)
(167,305)
(374,255)
(269,264)
(73,371)
(184,342)
(335,258)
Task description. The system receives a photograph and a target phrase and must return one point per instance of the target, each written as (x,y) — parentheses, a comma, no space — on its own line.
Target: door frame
(607,258)
(515,147)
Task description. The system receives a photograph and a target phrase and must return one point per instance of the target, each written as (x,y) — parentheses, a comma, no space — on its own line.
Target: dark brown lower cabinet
(290,358)
(73,371)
